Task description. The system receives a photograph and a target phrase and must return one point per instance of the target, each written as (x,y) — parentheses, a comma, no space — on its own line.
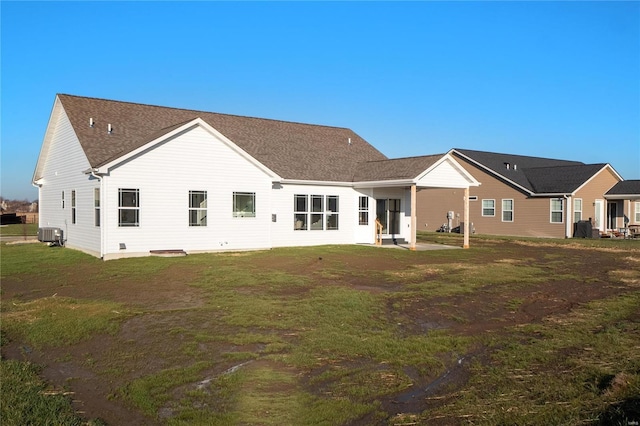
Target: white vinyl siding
(61,173)
(221,171)
(556,210)
(507,210)
(488,208)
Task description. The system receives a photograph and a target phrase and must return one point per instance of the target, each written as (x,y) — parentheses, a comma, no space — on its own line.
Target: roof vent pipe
(109,128)
(349,141)
(515,167)
(90,122)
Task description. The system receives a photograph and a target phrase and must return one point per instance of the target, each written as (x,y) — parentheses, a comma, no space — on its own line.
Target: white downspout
(569,216)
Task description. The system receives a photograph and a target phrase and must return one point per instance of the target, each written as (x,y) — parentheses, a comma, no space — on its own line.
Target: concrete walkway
(419,246)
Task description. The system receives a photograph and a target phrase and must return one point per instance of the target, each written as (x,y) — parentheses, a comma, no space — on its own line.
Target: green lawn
(511,331)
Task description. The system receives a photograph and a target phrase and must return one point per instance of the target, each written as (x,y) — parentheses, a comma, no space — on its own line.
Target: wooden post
(414,218)
(467,225)
(378,232)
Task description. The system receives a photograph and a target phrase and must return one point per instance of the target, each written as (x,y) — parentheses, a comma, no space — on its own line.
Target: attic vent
(91,122)
(109,128)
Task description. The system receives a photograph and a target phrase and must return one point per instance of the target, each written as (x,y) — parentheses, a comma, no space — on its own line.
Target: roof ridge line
(206,112)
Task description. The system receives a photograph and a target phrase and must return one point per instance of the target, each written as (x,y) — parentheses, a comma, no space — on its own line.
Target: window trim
(96,206)
(508,210)
(73,206)
(363,210)
(552,211)
(135,208)
(492,208)
(331,215)
(198,210)
(637,212)
(317,212)
(576,210)
(234,206)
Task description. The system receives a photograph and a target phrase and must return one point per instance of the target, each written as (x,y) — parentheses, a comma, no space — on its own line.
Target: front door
(388,212)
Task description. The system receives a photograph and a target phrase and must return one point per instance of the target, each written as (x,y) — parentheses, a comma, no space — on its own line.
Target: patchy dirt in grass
(171,310)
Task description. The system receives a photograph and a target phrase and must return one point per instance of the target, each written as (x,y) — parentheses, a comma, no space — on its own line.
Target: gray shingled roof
(625,187)
(292,150)
(394,169)
(535,174)
(561,179)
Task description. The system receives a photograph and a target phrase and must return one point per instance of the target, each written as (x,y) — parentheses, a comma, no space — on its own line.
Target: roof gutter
(558,194)
(313,182)
(622,196)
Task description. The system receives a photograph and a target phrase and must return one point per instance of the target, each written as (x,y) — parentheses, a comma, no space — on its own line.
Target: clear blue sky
(548,79)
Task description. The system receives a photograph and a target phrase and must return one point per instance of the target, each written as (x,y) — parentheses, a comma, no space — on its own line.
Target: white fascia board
(184,128)
(452,161)
(552,194)
(491,172)
(631,197)
(48,136)
(384,183)
(314,182)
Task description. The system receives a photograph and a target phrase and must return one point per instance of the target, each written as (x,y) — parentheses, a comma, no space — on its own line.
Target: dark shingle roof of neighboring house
(394,169)
(534,174)
(625,187)
(561,179)
(292,150)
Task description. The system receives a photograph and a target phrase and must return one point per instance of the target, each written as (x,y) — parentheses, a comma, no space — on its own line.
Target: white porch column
(467,225)
(568,231)
(414,218)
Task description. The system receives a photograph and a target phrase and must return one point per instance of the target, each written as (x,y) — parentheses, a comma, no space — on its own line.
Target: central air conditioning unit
(51,235)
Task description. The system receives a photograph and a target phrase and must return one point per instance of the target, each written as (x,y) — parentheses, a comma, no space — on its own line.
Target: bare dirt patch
(159,337)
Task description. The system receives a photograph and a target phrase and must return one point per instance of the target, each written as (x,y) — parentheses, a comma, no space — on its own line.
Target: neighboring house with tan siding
(525,196)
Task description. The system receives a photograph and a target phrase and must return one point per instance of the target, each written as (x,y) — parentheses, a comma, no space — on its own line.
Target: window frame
(315,212)
(300,214)
(197,214)
(73,206)
(556,211)
(637,212)
(236,212)
(96,206)
(511,210)
(332,216)
(363,210)
(492,200)
(125,209)
(577,219)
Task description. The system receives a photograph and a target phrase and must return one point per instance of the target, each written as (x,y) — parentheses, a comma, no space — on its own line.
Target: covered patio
(395,183)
